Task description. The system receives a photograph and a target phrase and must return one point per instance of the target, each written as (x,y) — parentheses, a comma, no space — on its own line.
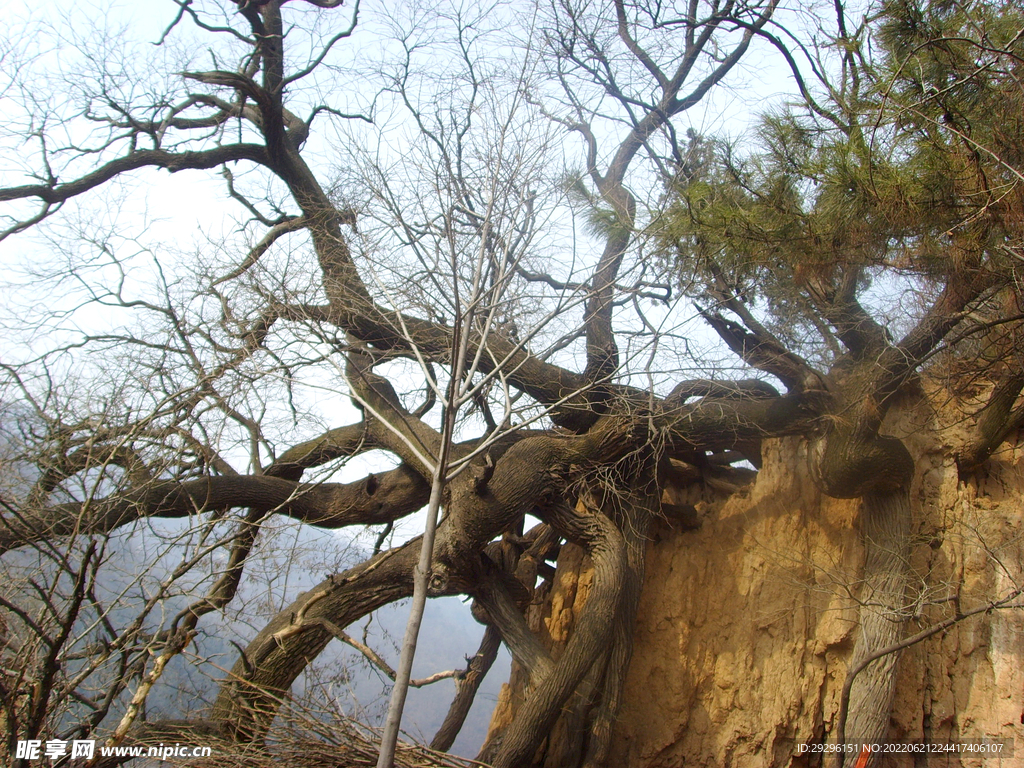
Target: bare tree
(402,245)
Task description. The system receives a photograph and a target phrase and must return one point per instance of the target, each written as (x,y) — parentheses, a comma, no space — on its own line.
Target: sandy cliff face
(747,623)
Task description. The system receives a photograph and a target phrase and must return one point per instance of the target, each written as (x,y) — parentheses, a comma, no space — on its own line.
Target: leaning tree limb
(249,698)
(466,686)
(377,499)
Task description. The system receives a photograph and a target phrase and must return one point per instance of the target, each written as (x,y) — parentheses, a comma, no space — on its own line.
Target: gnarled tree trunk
(748,626)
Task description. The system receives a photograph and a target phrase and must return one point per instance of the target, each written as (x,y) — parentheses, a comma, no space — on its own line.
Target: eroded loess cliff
(747,623)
